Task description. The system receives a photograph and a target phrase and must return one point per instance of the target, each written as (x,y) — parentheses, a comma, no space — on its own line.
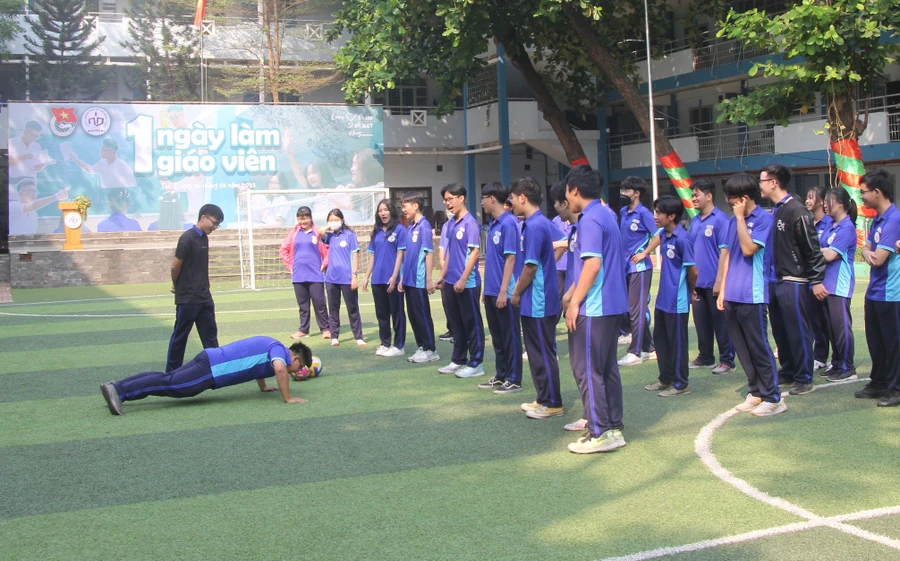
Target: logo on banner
(64,121)
(95,121)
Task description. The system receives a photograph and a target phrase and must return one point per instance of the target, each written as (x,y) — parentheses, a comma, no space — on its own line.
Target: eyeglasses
(452,198)
(764,180)
(215,223)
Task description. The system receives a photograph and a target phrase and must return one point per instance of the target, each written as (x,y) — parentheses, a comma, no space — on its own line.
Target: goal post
(265,217)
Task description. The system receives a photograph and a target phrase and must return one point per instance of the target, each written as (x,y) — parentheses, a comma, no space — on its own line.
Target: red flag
(201,11)
(64,114)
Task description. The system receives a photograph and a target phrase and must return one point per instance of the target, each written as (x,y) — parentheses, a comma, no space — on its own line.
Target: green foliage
(9,27)
(395,40)
(63,54)
(166,49)
(835,46)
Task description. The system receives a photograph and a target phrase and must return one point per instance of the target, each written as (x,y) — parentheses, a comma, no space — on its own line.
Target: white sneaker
(818,365)
(767,408)
(828,367)
(416,355)
(425,356)
(380,350)
(450,368)
(470,371)
(749,404)
(630,359)
(335,342)
(525,355)
(624,339)
(648,356)
(361,342)
(394,351)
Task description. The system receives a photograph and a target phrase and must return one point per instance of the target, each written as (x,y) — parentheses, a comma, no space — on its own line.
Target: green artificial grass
(391,460)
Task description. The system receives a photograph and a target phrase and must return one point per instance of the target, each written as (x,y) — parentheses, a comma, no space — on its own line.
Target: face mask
(624,201)
(334,226)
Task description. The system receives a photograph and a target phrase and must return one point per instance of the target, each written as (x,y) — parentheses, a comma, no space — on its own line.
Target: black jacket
(798,257)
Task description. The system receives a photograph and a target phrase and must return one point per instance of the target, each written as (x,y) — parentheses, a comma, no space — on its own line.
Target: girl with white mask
(341,276)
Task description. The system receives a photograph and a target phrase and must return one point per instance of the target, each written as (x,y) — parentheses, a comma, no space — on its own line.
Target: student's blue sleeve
(534,240)
(510,236)
(402,237)
(591,235)
(473,235)
(354,242)
(427,241)
(762,230)
(279,352)
(730,231)
(687,252)
(890,233)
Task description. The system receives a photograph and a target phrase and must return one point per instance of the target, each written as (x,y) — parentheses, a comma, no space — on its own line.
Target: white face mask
(334,226)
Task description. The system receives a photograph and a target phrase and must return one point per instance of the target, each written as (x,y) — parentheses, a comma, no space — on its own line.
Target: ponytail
(842,197)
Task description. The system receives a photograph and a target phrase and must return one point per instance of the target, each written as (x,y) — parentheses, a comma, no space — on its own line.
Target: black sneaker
(785,380)
(842,376)
(508,387)
(446,336)
(112,398)
(491,384)
(802,389)
(868,392)
(890,399)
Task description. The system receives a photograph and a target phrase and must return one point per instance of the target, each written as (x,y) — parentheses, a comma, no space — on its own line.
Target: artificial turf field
(390,460)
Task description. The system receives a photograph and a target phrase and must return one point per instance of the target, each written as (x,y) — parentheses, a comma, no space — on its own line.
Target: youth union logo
(95,121)
(343,243)
(709,231)
(831,239)
(496,238)
(393,238)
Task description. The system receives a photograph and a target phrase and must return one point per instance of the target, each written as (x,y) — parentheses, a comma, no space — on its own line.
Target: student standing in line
(637,228)
(460,281)
(564,222)
(708,229)
(442,258)
(418,263)
(799,270)
(815,203)
(341,276)
(387,246)
(190,284)
(535,294)
(745,269)
(502,317)
(839,250)
(594,306)
(676,290)
(306,257)
(882,306)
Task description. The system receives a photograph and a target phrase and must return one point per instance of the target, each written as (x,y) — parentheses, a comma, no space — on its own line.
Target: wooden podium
(72,221)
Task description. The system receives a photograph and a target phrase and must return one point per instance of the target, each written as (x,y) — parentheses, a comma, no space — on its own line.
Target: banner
(151,167)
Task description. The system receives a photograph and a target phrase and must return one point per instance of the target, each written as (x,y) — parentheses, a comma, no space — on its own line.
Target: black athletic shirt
(192,286)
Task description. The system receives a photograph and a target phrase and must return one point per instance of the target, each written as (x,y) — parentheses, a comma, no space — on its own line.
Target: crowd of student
(793,265)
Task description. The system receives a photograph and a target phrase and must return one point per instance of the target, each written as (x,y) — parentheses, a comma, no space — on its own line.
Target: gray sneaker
(802,389)
(723,369)
(112,398)
(508,387)
(470,371)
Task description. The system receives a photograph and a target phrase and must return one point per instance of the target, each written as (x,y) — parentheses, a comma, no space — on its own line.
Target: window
(405,96)
(702,120)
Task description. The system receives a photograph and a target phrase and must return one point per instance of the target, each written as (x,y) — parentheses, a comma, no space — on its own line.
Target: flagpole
(202,80)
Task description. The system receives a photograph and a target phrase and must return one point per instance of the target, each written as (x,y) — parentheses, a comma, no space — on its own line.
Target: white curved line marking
(703,448)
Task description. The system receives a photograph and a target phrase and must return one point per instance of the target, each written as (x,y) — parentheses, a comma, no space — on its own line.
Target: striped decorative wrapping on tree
(681,179)
(848,158)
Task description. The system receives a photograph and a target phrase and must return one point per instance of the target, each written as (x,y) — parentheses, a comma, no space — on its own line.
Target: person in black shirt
(799,269)
(190,283)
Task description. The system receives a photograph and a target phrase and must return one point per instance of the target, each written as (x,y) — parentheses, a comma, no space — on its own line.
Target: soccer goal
(265,218)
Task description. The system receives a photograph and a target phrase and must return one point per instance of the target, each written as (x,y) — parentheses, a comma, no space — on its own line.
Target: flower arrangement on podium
(82,203)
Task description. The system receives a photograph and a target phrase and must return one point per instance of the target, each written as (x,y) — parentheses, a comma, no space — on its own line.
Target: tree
(836,47)
(396,40)
(63,64)
(9,27)
(275,33)
(602,27)
(166,64)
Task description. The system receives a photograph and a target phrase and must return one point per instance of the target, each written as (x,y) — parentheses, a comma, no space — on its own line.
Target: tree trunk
(551,111)
(614,72)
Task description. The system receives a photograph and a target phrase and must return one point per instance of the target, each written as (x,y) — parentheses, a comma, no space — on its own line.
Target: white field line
(124,298)
(164,314)
(703,448)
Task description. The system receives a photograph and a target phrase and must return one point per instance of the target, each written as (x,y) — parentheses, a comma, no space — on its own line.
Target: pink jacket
(287,249)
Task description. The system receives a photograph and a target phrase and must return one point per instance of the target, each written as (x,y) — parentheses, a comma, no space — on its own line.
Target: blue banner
(148,167)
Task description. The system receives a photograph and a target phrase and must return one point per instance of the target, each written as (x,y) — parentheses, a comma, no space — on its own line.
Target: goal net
(265,218)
